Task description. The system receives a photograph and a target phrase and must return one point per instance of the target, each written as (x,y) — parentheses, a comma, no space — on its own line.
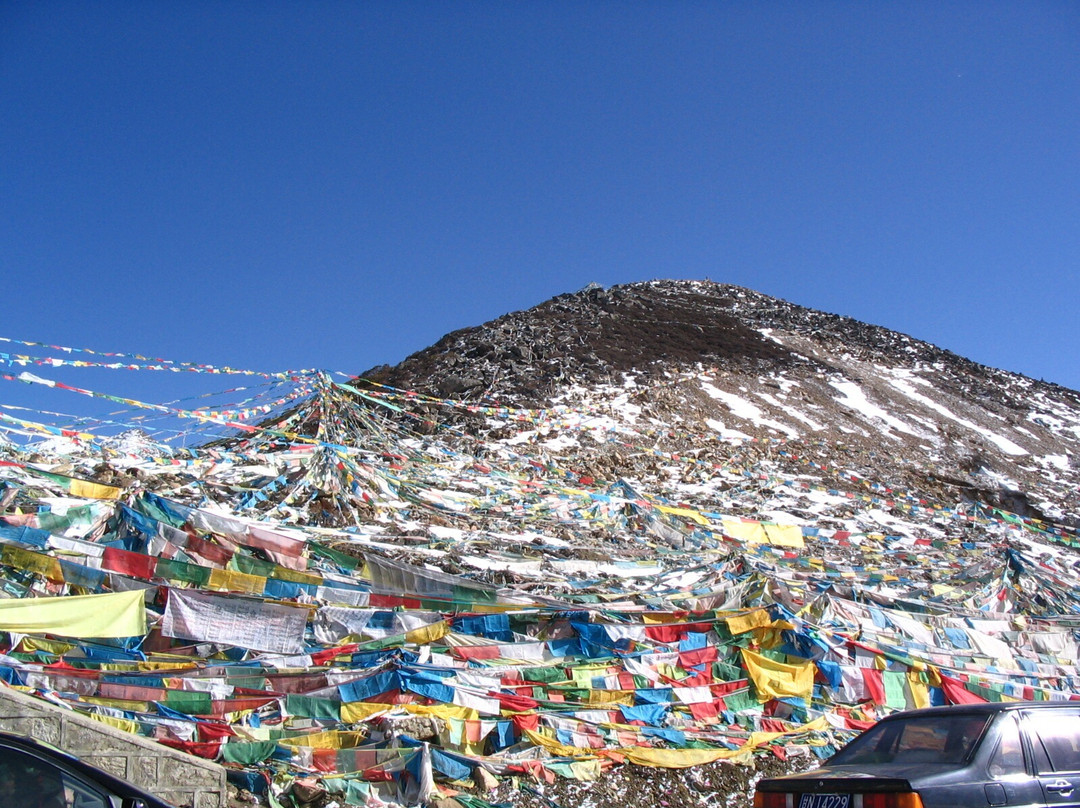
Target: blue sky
(282,185)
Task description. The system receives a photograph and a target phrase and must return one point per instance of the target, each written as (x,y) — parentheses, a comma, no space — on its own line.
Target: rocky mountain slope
(702,361)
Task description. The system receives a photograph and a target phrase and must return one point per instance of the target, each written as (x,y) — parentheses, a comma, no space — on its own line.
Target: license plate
(825,801)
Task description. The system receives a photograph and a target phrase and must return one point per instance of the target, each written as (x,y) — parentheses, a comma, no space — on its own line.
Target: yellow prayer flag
(920,695)
(31,644)
(757,739)
(117,614)
(611,697)
(353,712)
(441,711)
(777,680)
(586,771)
(232,581)
(426,635)
(677,758)
(761,738)
(88,490)
(741,623)
(785,536)
(119,704)
(689,514)
(151,665)
(124,724)
(659,618)
(749,532)
(28,560)
(286,574)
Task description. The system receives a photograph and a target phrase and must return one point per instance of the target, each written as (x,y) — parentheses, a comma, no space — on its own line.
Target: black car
(35,775)
(963,756)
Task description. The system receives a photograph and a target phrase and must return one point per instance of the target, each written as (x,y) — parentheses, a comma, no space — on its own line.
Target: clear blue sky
(280,185)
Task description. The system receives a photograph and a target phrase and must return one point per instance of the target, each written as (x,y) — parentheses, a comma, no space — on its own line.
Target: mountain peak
(591,335)
(711,359)
(598,333)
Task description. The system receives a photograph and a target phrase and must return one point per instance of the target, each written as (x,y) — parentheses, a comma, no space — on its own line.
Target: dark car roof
(110,781)
(984,708)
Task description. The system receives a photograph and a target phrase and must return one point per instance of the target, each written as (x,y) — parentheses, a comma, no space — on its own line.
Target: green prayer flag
(894,682)
(544,674)
(252,566)
(172,570)
(191,702)
(313,707)
(247,754)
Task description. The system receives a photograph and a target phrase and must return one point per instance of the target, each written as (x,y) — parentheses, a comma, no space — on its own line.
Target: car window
(934,739)
(1008,757)
(31,782)
(1056,735)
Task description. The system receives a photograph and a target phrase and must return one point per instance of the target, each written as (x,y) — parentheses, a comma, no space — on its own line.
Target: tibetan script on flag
(235,621)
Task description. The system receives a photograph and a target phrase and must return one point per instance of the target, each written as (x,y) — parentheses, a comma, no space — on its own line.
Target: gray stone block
(143,771)
(79,738)
(206,799)
(113,764)
(181,774)
(45,729)
(181,799)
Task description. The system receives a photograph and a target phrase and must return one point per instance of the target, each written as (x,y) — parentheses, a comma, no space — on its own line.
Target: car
(972,755)
(36,775)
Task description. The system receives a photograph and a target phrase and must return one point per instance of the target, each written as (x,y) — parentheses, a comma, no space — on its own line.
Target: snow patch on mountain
(855,398)
(747,410)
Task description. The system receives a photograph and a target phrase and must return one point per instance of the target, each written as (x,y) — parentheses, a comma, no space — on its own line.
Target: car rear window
(931,739)
(1056,739)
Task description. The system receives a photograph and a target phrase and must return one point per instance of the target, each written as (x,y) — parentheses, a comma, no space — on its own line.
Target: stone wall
(185,781)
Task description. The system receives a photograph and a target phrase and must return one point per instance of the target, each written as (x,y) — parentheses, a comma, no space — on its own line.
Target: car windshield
(928,739)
